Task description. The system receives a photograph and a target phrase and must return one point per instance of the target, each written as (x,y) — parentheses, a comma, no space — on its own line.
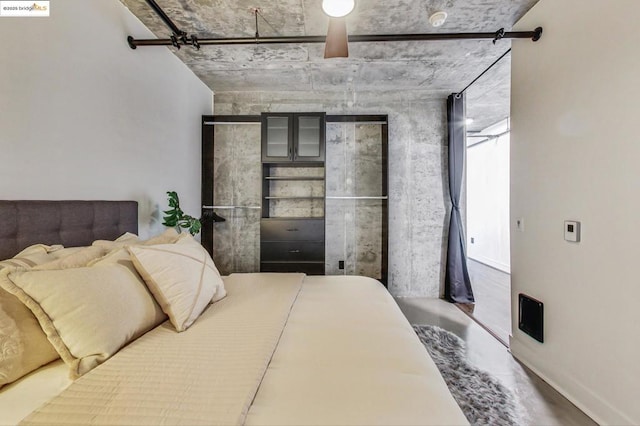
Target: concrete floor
(542,405)
(492,291)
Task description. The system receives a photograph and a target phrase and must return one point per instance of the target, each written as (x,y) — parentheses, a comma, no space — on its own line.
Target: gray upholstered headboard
(70,223)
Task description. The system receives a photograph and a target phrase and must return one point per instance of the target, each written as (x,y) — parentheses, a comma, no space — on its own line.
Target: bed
(274,349)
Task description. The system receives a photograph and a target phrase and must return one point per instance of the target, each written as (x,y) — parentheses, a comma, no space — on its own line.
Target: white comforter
(343,353)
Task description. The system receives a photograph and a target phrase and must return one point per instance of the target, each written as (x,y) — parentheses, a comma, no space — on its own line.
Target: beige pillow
(31,256)
(76,259)
(123,240)
(128,236)
(169,236)
(39,248)
(182,278)
(23,345)
(87,313)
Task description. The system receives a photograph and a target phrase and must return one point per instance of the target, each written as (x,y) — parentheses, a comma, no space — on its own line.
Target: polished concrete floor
(492,291)
(541,404)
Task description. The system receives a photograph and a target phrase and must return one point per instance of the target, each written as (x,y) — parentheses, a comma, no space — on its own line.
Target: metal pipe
(173,27)
(533,35)
(231,207)
(380,197)
(224,123)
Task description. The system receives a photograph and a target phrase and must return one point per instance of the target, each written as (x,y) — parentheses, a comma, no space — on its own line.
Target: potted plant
(176,218)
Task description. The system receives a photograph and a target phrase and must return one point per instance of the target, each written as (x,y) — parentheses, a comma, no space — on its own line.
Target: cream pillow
(169,236)
(87,313)
(128,236)
(32,256)
(23,345)
(221,293)
(76,259)
(123,240)
(182,278)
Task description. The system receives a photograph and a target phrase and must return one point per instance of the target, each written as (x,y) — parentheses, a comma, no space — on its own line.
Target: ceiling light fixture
(338,8)
(438,18)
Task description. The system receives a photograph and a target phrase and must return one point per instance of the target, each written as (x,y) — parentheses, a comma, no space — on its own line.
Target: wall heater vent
(530,317)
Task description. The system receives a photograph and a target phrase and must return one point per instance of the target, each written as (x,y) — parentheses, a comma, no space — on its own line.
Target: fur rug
(483,399)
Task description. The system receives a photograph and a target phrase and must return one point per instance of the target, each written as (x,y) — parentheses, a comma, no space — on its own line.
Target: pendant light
(338,8)
(337,43)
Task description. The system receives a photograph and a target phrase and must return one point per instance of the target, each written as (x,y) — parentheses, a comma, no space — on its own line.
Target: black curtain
(457,285)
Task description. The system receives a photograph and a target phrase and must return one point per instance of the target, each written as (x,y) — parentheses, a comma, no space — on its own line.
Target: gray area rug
(482,398)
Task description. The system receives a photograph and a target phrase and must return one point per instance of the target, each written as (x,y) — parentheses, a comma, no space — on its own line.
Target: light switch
(572,231)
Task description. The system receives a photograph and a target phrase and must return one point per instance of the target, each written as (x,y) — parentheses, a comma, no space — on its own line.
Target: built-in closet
(336,198)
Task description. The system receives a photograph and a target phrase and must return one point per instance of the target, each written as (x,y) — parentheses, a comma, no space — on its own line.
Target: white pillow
(23,345)
(182,278)
(87,313)
(32,256)
(76,259)
(169,236)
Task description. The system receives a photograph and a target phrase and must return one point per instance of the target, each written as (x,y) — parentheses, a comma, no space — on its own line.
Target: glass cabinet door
(293,137)
(277,137)
(309,137)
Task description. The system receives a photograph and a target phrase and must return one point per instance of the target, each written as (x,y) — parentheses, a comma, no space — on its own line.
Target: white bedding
(348,356)
(343,354)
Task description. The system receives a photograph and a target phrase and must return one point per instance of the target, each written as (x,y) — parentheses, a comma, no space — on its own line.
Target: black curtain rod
(533,35)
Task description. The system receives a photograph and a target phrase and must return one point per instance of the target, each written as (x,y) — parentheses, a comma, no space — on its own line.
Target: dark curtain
(457,285)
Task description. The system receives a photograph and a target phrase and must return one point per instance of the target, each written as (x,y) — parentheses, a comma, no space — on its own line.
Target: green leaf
(195,227)
(175,217)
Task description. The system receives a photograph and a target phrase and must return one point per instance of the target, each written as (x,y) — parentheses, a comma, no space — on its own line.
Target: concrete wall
(353,227)
(237,182)
(574,155)
(419,203)
(82,116)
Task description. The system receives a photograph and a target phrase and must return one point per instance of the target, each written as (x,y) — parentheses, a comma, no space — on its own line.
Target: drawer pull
(294,251)
(292,229)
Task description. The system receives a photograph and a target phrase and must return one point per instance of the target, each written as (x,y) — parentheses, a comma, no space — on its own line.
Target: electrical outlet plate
(520,224)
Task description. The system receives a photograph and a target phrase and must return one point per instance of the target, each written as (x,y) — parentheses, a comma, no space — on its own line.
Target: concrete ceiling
(436,67)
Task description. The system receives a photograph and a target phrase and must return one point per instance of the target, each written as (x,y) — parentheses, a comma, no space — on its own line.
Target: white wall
(488,202)
(82,116)
(574,155)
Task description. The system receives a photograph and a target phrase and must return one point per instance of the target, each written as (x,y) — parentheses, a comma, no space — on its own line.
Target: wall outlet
(520,224)
(341,264)
(473,240)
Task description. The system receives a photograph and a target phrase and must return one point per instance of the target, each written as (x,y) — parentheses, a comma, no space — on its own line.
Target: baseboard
(582,397)
(503,267)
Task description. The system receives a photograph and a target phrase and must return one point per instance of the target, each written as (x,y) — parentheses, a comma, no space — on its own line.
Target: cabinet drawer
(292,250)
(309,268)
(292,229)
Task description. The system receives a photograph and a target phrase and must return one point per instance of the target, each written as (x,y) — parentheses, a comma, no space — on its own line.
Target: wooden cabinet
(293,193)
(293,137)
(292,245)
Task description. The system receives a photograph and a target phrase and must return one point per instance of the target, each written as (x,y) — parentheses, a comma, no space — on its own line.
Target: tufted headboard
(70,223)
